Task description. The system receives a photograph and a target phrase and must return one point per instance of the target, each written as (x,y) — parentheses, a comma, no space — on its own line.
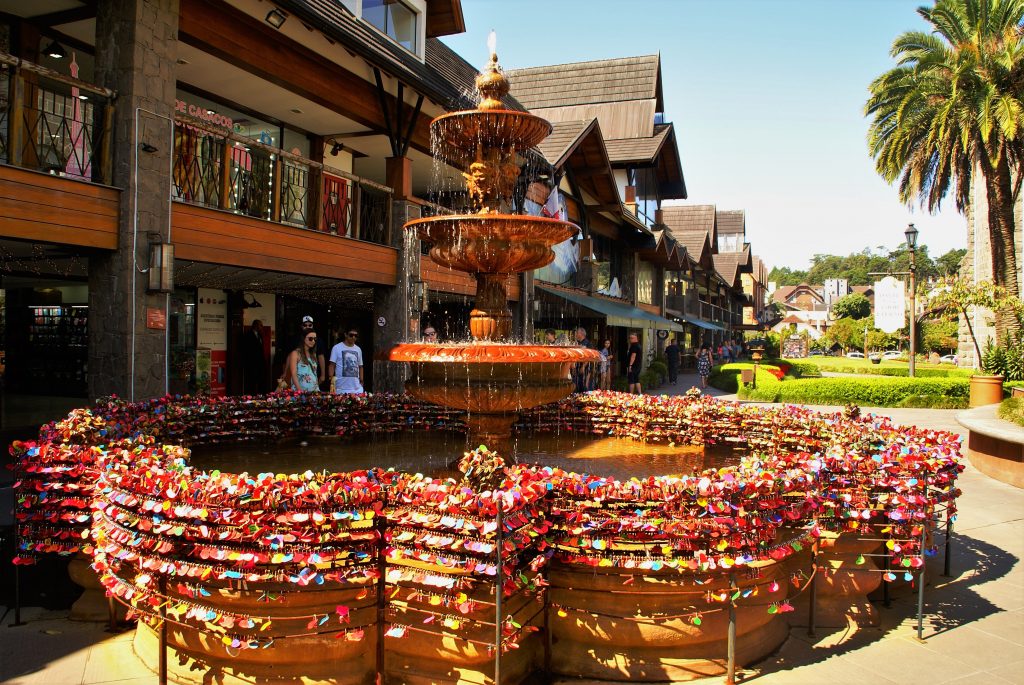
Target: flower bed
(307,565)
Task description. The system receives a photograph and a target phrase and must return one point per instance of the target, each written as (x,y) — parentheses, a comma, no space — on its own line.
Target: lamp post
(911,234)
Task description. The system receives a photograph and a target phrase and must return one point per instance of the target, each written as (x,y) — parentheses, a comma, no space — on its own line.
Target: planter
(986,390)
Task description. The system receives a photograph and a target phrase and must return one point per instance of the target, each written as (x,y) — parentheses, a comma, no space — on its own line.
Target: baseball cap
(307,319)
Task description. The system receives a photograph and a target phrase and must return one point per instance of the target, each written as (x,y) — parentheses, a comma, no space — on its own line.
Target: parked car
(949,359)
(892,354)
(854,355)
(817,353)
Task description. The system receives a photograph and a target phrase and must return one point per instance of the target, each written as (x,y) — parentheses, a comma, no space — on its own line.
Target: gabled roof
(729,265)
(638,150)
(731,221)
(663,250)
(693,226)
(565,136)
(443,75)
(586,83)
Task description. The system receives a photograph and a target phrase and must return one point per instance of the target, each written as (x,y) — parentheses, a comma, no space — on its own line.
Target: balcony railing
(222,170)
(54,123)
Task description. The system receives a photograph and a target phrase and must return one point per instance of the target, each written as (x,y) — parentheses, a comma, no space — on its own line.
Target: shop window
(645,283)
(396,19)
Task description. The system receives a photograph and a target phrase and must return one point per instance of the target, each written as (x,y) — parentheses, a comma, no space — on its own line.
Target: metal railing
(217,168)
(54,123)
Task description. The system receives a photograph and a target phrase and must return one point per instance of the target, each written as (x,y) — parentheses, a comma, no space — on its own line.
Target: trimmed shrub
(803,369)
(649,379)
(727,376)
(875,392)
(933,402)
(1012,410)
(659,368)
(892,371)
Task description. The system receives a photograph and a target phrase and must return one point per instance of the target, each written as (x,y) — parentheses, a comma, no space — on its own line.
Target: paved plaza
(973,625)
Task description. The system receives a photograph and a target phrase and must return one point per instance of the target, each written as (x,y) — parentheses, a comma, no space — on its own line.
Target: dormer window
(403,21)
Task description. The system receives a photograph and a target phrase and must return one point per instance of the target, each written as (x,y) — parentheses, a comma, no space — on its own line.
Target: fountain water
(491,378)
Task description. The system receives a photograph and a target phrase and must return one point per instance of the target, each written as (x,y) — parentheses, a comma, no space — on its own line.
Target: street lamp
(911,234)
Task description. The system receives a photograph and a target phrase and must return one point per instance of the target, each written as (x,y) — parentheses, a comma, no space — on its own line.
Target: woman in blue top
(303,366)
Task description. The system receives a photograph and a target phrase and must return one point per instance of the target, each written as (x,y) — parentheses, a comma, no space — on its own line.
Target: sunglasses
(429,332)
(311,338)
(353,335)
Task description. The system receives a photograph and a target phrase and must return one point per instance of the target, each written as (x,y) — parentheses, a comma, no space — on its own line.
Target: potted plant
(986,386)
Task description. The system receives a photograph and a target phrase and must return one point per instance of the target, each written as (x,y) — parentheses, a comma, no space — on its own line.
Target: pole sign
(890,305)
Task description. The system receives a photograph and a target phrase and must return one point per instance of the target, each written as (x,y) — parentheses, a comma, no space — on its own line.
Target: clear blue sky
(767,99)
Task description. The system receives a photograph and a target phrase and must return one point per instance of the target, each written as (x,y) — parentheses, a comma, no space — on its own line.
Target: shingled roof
(442,76)
(586,83)
(730,265)
(731,221)
(627,150)
(565,135)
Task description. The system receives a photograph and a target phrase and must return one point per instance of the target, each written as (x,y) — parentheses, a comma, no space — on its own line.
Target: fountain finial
(491,82)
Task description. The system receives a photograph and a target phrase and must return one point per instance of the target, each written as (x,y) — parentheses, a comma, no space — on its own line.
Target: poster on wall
(262,307)
(212,339)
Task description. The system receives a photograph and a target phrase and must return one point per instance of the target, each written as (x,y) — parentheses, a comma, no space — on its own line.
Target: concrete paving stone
(1008,625)
(1011,671)
(973,646)
(910,661)
(988,678)
(114,660)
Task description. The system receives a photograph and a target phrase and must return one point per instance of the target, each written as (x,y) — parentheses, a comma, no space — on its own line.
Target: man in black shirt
(672,355)
(582,373)
(634,360)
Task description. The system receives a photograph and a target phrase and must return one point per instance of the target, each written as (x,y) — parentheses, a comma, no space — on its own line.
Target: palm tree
(952,107)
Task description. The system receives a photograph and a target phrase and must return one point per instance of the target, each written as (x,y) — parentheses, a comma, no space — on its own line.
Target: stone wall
(136,52)
(977,265)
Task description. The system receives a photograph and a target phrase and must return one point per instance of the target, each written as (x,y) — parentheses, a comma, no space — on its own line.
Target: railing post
(946,562)
(730,668)
(380,522)
(499,583)
(106,145)
(277,167)
(357,202)
(16,122)
(314,199)
(225,175)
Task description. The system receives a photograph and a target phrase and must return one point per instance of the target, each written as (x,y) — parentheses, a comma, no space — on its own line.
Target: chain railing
(219,169)
(54,123)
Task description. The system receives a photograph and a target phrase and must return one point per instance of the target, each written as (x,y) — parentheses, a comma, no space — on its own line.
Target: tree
(853,306)
(949,263)
(953,106)
(960,294)
(847,333)
(783,275)
(938,335)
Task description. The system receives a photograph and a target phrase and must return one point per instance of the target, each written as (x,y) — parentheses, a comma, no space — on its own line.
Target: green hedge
(803,369)
(876,392)
(727,376)
(879,370)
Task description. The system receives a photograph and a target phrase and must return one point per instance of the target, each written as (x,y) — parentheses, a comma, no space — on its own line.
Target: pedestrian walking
(672,356)
(634,361)
(607,358)
(582,372)
(255,362)
(347,365)
(704,365)
(302,365)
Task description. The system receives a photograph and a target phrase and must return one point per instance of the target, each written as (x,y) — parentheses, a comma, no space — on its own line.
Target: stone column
(136,51)
(397,307)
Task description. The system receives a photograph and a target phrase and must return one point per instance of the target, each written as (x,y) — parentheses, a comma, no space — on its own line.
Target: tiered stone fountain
(491,378)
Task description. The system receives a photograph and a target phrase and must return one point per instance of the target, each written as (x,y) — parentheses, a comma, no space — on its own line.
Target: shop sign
(890,305)
(156,318)
(203,114)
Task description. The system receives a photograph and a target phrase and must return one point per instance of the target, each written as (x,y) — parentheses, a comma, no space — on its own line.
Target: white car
(892,354)
(854,355)
(948,359)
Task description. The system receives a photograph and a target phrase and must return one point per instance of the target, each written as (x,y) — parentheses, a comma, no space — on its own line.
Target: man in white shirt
(347,366)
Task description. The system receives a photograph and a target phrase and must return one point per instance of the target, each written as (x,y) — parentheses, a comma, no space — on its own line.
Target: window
(396,19)
(730,242)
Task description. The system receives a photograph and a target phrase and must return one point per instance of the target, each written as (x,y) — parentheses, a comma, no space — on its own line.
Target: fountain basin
(459,134)
(492,243)
(493,382)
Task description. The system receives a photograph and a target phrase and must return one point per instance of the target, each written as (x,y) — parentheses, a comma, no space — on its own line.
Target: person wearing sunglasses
(429,334)
(303,366)
(347,365)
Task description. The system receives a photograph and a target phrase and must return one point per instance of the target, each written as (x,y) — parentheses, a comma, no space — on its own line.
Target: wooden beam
(247,43)
(64,16)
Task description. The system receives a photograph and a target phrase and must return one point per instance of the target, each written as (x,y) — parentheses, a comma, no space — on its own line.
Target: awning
(706,325)
(617,313)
